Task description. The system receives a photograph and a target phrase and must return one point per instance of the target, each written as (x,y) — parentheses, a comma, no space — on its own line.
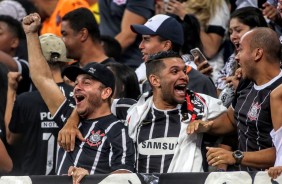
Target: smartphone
(197,52)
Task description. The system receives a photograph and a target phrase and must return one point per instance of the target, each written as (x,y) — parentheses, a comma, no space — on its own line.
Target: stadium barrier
(171,178)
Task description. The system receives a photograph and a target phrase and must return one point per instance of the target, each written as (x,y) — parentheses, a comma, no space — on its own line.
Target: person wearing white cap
(28,121)
(163,33)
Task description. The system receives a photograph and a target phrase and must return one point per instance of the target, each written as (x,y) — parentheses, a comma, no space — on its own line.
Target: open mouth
(79,98)
(180,89)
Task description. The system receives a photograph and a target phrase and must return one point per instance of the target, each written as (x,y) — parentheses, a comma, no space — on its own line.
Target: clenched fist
(31,23)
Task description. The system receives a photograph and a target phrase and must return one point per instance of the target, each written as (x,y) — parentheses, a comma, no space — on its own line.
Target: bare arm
(67,135)
(8,61)
(126,37)
(6,163)
(255,159)
(221,125)
(39,69)
(211,43)
(275,106)
(13,79)
(258,159)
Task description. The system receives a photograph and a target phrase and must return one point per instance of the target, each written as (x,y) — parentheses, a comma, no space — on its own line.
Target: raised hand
(13,80)
(31,23)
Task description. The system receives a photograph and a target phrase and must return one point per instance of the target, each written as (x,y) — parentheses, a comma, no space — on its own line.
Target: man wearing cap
(108,147)
(28,121)
(163,33)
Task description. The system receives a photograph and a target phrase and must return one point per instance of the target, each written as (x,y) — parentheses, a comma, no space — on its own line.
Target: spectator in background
(116,18)
(81,35)
(126,81)
(241,21)
(52,12)
(11,34)
(163,33)
(13,9)
(6,163)
(213,17)
(28,121)
(94,7)
(111,47)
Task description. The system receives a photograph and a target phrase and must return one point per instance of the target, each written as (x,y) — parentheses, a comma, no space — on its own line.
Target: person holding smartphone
(213,17)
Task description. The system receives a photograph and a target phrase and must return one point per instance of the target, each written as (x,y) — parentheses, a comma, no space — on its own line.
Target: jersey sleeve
(63,112)
(25,84)
(123,156)
(120,106)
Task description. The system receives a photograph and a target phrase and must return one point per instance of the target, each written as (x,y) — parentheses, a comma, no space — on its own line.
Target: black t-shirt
(107,147)
(32,119)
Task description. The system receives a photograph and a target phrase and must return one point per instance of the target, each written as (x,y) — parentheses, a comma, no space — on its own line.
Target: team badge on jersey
(95,139)
(119,2)
(253,112)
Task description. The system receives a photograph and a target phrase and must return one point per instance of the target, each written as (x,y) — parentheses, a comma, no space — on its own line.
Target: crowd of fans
(110,86)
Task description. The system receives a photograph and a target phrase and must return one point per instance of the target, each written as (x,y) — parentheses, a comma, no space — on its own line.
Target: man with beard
(107,147)
(250,112)
(157,122)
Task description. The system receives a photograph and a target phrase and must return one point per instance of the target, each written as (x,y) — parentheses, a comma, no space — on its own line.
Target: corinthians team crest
(253,112)
(95,139)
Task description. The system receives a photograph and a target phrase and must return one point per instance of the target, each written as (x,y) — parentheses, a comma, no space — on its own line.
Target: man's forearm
(11,95)
(39,68)
(260,159)
(223,124)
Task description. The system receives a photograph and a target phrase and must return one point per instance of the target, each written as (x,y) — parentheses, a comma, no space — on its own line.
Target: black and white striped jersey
(107,147)
(32,119)
(253,116)
(156,140)
(157,135)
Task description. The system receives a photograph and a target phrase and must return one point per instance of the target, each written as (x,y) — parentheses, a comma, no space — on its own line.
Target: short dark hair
(127,85)
(249,16)
(111,47)
(268,40)
(174,46)
(14,25)
(155,61)
(83,18)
